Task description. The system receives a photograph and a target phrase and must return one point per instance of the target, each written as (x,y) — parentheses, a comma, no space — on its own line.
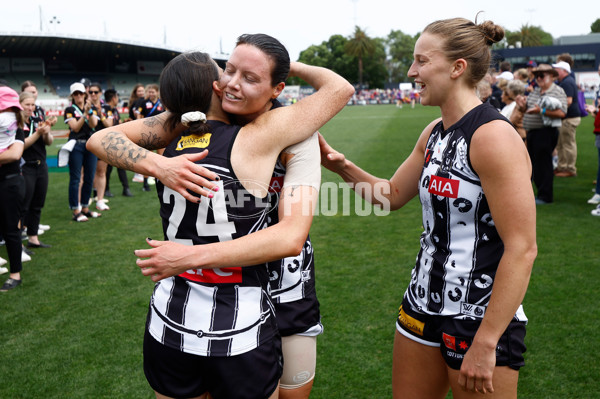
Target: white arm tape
(304,167)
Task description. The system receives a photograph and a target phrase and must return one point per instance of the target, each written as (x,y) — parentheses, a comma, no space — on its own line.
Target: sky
(214,26)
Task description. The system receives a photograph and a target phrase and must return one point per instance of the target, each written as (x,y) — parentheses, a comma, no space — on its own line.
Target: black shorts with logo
(251,375)
(454,336)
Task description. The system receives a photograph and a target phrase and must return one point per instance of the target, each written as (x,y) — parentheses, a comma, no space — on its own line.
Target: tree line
(376,62)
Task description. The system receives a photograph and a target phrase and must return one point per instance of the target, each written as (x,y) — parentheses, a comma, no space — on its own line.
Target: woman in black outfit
(38,135)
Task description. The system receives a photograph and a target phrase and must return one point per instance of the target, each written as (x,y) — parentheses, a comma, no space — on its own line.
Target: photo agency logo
(250,199)
(336,199)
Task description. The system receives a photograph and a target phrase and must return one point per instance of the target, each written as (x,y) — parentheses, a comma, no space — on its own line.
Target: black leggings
(12,192)
(122,177)
(540,144)
(36,188)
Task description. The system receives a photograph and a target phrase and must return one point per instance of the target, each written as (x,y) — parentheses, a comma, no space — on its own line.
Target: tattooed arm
(130,145)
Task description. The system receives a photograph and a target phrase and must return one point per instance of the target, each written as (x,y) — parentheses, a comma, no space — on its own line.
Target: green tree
(360,46)
(374,66)
(529,36)
(400,54)
(595,28)
(329,54)
(332,54)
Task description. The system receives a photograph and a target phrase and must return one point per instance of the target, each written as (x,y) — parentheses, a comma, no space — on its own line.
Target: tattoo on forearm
(152,121)
(121,152)
(151,141)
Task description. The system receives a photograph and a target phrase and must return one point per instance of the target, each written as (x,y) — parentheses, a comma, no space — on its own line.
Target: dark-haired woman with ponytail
(461,324)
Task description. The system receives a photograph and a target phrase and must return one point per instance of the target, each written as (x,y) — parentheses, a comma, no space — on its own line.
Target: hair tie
(194,116)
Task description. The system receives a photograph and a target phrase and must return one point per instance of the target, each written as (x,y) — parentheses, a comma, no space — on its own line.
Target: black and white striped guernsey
(212,312)
(292,279)
(460,246)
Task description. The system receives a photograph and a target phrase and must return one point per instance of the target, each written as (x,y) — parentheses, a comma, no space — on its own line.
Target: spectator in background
(79,116)
(138,94)
(38,136)
(136,99)
(86,83)
(95,93)
(12,183)
(531,83)
(522,75)
(510,92)
(505,71)
(29,86)
(595,111)
(113,118)
(485,92)
(151,106)
(495,100)
(541,121)
(567,146)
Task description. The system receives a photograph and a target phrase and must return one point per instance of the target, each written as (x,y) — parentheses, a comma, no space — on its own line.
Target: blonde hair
(25,95)
(515,88)
(462,38)
(521,74)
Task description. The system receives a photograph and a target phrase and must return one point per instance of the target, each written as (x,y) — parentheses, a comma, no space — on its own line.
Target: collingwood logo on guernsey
(472,310)
(193,141)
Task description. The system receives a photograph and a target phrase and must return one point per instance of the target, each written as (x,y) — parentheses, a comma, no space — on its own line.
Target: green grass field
(74,328)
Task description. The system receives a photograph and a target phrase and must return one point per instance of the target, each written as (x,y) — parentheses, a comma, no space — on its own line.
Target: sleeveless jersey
(460,246)
(292,279)
(212,312)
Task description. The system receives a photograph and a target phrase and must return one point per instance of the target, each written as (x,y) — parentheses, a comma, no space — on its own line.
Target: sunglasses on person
(93,92)
(541,75)
(77,93)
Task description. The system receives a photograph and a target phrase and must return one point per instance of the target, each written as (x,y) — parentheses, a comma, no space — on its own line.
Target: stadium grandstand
(54,61)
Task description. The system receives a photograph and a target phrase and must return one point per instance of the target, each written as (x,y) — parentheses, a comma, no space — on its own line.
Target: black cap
(86,82)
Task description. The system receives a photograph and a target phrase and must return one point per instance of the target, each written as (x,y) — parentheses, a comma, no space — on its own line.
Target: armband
(91,112)
(543,111)
(304,168)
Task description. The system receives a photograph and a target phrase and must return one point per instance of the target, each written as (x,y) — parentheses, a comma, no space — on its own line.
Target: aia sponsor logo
(276,184)
(443,187)
(227,275)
